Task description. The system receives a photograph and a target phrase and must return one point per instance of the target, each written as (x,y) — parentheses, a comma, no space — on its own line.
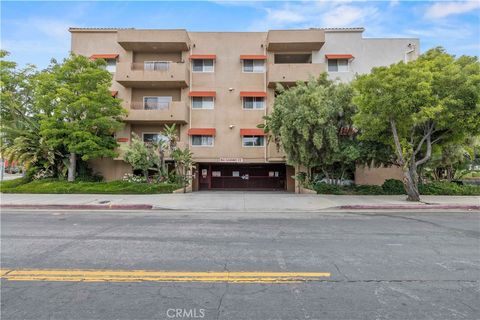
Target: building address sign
(236,160)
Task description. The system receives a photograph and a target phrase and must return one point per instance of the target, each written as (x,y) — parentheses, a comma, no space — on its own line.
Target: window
(251,103)
(203,65)
(202,140)
(253,141)
(202,103)
(111,65)
(338,65)
(153,137)
(156,103)
(253,66)
(156,65)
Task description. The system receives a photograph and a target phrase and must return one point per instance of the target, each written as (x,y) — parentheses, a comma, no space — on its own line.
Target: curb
(406,206)
(80,206)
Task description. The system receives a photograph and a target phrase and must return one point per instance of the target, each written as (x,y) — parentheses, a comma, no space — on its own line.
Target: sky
(36,31)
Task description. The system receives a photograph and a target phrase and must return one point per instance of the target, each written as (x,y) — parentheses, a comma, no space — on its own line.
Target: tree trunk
(185,170)
(410,181)
(145,174)
(72,167)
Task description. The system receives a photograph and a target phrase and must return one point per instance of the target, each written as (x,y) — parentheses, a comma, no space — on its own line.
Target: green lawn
(57,186)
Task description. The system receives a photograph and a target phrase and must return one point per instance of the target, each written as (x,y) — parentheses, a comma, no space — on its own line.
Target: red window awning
(202,94)
(203,56)
(253,94)
(253,57)
(104,56)
(114,93)
(122,139)
(338,56)
(201,132)
(252,132)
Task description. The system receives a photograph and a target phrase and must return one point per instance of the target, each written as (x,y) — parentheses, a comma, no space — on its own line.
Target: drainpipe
(265,90)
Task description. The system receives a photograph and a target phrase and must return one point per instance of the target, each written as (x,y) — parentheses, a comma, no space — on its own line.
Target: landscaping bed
(393,187)
(59,186)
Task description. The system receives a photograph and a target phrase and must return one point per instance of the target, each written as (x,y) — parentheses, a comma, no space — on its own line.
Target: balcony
(289,73)
(173,112)
(144,75)
(153,40)
(295,40)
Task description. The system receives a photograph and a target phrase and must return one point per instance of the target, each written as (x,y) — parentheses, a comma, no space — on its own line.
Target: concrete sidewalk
(235,201)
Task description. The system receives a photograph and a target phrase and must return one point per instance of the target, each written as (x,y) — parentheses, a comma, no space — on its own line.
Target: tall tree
(78,111)
(416,105)
(312,123)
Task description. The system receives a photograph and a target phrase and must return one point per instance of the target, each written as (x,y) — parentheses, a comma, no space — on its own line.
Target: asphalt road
(384,265)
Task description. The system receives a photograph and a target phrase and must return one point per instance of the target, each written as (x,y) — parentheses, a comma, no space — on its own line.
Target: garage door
(242,177)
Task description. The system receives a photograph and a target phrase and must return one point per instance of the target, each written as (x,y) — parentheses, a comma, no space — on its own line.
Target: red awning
(252,132)
(202,94)
(104,56)
(122,139)
(114,93)
(203,56)
(253,57)
(253,94)
(338,56)
(201,132)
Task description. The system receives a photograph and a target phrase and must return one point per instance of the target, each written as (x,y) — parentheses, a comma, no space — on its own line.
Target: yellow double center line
(89,275)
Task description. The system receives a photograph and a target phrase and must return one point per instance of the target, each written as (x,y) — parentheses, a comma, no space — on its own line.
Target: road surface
(382,265)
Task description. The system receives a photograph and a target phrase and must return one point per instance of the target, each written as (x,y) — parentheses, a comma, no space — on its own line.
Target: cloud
(307,14)
(346,15)
(444,9)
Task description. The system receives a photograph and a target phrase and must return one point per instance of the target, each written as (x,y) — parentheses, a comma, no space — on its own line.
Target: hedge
(59,186)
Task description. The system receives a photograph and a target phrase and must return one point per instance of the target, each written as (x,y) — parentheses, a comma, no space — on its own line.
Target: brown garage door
(242,177)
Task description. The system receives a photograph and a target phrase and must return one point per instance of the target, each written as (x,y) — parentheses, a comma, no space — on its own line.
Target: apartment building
(217,87)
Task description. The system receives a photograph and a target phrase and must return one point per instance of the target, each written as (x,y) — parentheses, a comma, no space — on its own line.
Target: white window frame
(254,101)
(156,61)
(203,66)
(348,65)
(243,143)
(203,108)
(169,103)
(157,133)
(202,146)
(253,71)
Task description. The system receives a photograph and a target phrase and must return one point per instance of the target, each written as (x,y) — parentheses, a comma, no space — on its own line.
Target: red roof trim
(253,94)
(338,56)
(252,132)
(202,94)
(253,57)
(203,56)
(201,132)
(104,56)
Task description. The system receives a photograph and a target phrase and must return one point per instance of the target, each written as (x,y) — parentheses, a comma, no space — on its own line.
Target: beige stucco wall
(110,169)
(376,176)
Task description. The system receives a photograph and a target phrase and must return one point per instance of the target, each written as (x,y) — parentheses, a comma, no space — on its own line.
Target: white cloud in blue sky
(36,31)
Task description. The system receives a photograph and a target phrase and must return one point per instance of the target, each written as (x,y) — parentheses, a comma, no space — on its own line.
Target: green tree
(140,155)
(312,123)
(416,105)
(79,114)
(19,128)
(183,163)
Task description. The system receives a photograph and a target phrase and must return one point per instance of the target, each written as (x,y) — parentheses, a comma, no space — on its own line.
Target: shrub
(366,189)
(448,188)
(393,186)
(325,188)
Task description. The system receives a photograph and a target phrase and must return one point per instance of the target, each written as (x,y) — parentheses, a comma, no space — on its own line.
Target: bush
(366,189)
(64,187)
(325,188)
(393,186)
(448,188)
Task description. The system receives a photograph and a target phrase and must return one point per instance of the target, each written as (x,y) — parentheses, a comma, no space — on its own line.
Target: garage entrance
(242,177)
